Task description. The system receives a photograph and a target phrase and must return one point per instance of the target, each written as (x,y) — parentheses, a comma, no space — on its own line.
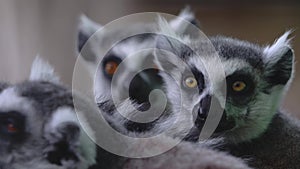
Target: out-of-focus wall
(46,27)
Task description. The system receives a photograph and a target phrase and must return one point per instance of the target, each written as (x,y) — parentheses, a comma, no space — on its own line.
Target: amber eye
(238,86)
(111,67)
(11,128)
(190,82)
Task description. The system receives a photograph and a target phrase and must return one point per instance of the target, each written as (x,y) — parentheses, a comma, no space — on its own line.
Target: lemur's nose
(204,107)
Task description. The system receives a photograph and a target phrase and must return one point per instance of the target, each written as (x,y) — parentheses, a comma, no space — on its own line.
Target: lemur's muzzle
(200,114)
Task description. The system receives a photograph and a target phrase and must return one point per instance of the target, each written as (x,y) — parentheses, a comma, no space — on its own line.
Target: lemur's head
(39,126)
(124,43)
(255,78)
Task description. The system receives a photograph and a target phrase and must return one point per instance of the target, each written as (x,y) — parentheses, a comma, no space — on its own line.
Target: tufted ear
(42,71)
(86,29)
(279,61)
(184,20)
(171,49)
(3,86)
(167,47)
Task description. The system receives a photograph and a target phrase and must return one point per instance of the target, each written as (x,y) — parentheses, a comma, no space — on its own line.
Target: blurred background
(28,27)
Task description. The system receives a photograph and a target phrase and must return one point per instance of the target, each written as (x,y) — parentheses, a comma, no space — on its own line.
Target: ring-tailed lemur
(39,127)
(145,81)
(256,81)
(39,130)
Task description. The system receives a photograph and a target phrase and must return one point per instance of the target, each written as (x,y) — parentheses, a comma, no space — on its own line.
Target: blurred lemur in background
(257,77)
(143,82)
(39,127)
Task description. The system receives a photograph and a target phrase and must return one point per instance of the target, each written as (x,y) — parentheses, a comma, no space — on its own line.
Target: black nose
(143,83)
(204,107)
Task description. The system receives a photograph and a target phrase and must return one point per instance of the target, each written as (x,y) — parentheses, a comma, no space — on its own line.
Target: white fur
(278,48)
(182,22)
(63,115)
(166,29)
(88,26)
(84,145)
(11,101)
(42,71)
(184,156)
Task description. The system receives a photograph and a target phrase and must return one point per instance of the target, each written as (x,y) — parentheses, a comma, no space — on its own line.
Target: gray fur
(268,138)
(198,156)
(40,101)
(91,47)
(278,147)
(3,86)
(186,155)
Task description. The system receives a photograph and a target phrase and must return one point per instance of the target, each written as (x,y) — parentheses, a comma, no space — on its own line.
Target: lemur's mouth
(225,124)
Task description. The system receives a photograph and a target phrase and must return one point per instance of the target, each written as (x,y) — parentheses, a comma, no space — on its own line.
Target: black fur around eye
(12,125)
(110,65)
(240,86)
(195,75)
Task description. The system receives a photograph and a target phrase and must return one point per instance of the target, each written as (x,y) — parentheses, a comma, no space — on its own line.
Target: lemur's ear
(184,20)
(169,47)
(166,53)
(43,71)
(279,61)
(3,86)
(86,29)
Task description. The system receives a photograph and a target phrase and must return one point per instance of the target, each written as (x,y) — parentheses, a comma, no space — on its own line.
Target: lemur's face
(19,129)
(132,51)
(118,73)
(38,124)
(254,80)
(25,108)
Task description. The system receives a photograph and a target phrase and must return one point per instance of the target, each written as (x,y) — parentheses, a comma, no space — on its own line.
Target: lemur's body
(278,147)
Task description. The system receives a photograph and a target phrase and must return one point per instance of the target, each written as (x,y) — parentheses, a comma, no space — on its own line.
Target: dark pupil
(110,64)
(237,85)
(11,123)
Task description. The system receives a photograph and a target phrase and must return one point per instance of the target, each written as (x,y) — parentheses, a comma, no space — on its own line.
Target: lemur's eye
(110,67)
(10,124)
(238,86)
(11,128)
(190,82)
(110,64)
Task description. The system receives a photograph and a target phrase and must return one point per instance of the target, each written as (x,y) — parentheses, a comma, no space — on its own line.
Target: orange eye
(238,86)
(11,128)
(111,67)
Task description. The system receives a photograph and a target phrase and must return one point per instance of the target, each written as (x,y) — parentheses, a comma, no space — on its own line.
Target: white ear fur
(278,48)
(181,23)
(167,41)
(87,26)
(165,28)
(86,29)
(42,71)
